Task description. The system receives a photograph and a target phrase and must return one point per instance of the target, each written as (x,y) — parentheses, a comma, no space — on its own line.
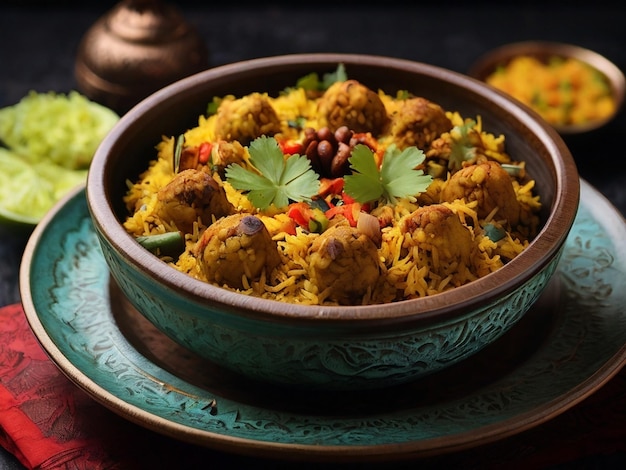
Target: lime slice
(48,142)
(28,191)
(61,128)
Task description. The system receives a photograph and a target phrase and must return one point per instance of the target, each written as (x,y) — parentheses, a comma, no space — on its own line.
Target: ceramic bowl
(342,347)
(545,51)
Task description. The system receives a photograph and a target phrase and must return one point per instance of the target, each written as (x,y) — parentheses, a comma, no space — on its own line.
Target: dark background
(39,40)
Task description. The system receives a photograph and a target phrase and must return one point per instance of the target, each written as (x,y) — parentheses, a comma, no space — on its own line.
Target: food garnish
(397,177)
(312,81)
(277,180)
(463,145)
(178,150)
(280,181)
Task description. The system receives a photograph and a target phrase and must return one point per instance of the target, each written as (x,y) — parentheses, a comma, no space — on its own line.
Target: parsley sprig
(396,178)
(277,180)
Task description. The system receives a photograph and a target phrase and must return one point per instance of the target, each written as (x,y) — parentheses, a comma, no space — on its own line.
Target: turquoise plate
(571,343)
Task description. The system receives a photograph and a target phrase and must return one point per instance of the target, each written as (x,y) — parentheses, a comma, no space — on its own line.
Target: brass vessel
(135,49)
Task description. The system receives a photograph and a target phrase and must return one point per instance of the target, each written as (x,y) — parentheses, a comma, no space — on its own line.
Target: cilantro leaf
(462,149)
(278,181)
(309,82)
(266,156)
(312,81)
(339,75)
(396,178)
(261,190)
(213,105)
(299,181)
(399,174)
(365,185)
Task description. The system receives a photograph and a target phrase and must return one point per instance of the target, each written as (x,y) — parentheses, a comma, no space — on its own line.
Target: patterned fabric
(47,422)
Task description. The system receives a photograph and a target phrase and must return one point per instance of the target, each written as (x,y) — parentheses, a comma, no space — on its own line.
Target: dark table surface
(39,40)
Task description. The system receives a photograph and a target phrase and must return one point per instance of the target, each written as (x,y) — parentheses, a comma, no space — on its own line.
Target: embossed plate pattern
(573,342)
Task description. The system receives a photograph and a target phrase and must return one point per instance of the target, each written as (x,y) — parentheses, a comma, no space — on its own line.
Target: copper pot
(136,48)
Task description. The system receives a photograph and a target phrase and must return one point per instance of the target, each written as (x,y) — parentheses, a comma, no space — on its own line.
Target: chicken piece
(235,247)
(353,105)
(224,153)
(192,194)
(246,118)
(218,155)
(345,261)
(439,232)
(453,149)
(418,122)
(490,185)
(432,195)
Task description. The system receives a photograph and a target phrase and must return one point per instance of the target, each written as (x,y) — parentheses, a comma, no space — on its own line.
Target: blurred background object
(575,89)
(136,48)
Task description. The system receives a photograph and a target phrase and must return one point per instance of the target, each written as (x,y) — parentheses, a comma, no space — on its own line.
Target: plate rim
(483,434)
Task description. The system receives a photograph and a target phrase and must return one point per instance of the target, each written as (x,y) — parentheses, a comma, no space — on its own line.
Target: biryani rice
(417,273)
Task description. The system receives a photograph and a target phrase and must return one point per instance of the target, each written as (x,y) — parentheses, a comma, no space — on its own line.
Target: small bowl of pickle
(574,89)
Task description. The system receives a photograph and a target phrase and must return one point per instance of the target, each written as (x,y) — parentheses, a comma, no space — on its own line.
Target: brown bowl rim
(473,295)
(488,62)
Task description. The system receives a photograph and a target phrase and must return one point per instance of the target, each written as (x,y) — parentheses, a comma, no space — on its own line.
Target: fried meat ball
(418,122)
(246,118)
(192,194)
(345,261)
(236,246)
(353,105)
(490,185)
(439,232)
(226,153)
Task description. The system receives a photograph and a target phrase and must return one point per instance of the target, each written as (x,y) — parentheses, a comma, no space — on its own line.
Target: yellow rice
(402,277)
(563,91)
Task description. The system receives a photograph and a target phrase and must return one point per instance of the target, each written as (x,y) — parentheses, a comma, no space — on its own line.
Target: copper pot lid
(135,49)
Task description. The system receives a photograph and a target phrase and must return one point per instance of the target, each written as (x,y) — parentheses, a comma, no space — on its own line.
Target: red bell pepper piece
(330,186)
(291,147)
(298,212)
(204,152)
(289,227)
(312,219)
(347,210)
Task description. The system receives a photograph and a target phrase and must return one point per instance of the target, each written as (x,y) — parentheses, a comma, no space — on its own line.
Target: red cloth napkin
(49,423)
(46,421)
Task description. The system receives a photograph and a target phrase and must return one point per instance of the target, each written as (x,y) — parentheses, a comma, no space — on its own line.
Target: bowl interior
(545,50)
(131,145)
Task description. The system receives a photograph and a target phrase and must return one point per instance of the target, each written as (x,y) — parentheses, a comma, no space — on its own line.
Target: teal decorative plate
(570,344)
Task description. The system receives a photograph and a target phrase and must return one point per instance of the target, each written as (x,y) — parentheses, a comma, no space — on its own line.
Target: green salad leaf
(397,177)
(277,180)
